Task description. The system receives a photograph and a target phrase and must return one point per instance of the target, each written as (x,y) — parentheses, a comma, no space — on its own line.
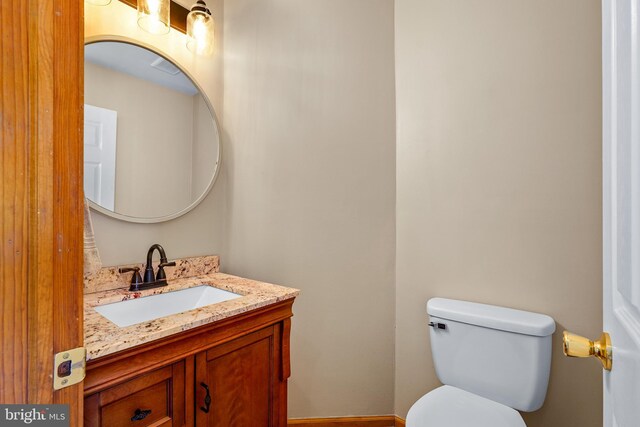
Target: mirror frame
(153,220)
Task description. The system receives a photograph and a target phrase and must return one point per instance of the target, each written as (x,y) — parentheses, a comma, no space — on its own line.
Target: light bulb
(200,29)
(154,7)
(153,16)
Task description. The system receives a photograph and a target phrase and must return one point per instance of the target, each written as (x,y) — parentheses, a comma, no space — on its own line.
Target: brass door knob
(577,346)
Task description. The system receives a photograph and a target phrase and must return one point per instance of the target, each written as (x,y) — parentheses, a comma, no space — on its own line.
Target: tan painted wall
(499,178)
(309,117)
(120,242)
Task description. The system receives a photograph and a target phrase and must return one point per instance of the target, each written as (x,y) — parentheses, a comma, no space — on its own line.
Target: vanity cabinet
(232,373)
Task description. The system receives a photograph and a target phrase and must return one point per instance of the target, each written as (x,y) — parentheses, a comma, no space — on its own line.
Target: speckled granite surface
(108,278)
(102,337)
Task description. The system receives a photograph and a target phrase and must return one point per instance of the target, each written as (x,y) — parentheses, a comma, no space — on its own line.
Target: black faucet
(152,280)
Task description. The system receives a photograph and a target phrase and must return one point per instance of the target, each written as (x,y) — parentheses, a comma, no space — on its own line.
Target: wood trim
(66,113)
(279,385)
(142,382)
(199,394)
(370,421)
(179,394)
(14,191)
(221,350)
(41,84)
(189,384)
(41,248)
(177,14)
(92,414)
(285,365)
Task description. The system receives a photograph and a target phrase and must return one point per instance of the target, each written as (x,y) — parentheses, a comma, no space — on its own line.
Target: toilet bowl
(449,406)
(493,362)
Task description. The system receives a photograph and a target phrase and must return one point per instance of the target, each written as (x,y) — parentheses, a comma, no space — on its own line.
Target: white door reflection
(100,130)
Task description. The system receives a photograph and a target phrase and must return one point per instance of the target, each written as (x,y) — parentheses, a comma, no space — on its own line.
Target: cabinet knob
(140,414)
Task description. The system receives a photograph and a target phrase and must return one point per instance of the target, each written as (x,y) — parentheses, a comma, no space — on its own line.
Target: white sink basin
(130,312)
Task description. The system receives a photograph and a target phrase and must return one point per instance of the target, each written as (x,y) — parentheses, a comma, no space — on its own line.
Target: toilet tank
(495,352)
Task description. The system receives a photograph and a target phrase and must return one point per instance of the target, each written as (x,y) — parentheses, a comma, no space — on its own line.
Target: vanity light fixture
(200,29)
(98,2)
(153,16)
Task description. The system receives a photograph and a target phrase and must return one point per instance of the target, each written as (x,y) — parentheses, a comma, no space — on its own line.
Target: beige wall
(120,242)
(310,125)
(498,178)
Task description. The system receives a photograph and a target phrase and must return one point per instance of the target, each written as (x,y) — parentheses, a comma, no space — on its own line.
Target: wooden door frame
(41,262)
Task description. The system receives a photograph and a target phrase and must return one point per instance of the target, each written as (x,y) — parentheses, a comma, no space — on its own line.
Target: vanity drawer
(154,399)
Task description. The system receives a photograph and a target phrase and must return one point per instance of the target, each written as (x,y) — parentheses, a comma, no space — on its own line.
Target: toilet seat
(449,406)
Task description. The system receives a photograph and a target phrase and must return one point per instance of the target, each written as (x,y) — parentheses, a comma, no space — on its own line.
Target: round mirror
(151,142)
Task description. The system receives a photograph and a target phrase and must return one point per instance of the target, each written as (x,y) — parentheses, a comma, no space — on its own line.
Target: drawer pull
(140,414)
(207,400)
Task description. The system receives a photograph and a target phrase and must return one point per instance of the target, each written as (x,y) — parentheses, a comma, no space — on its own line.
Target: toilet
(493,362)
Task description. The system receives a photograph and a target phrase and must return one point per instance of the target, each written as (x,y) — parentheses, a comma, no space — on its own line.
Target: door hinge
(69,367)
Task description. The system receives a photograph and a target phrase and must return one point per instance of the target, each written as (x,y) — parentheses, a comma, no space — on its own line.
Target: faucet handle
(167,264)
(136,279)
(129,269)
(160,275)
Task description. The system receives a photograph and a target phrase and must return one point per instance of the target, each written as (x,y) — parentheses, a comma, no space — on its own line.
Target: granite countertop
(102,337)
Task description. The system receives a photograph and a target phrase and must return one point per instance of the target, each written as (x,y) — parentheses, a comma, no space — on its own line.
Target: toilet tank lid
(491,316)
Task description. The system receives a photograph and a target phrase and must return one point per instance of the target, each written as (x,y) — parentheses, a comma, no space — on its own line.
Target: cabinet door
(241,379)
(153,399)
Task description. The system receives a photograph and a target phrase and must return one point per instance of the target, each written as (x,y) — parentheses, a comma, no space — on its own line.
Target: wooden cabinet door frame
(41,84)
(272,335)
